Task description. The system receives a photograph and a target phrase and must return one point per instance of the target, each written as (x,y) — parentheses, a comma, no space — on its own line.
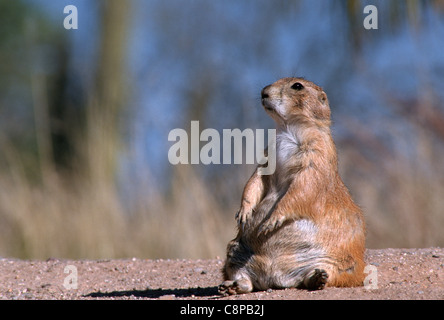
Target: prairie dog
(298,227)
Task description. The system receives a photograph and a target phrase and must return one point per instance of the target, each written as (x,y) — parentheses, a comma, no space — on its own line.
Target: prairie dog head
(296,101)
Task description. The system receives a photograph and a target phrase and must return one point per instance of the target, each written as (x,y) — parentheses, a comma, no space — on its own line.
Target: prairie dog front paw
(243,216)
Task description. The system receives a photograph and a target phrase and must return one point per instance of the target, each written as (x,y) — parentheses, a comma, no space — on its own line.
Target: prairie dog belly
(285,259)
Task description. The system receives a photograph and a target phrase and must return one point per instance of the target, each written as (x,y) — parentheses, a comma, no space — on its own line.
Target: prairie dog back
(298,227)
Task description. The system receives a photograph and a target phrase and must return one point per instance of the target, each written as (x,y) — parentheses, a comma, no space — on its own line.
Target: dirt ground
(396,273)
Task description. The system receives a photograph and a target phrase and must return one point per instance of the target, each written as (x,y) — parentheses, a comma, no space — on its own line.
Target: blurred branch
(111,62)
(104,125)
(42,126)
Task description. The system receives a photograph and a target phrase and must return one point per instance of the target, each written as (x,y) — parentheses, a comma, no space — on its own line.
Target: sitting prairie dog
(298,227)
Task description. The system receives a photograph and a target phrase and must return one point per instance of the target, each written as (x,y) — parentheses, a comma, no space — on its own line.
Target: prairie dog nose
(264,92)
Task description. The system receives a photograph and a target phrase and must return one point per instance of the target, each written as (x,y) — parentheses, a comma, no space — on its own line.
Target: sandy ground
(396,273)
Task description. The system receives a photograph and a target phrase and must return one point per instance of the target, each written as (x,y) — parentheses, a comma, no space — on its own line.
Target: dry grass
(82,219)
(402,197)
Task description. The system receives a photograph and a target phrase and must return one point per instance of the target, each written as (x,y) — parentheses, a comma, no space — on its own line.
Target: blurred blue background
(85,116)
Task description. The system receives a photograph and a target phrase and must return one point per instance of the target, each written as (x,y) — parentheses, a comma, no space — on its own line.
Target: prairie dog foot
(235,287)
(317,280)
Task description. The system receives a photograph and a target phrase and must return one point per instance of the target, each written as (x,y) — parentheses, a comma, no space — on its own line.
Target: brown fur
(298,227)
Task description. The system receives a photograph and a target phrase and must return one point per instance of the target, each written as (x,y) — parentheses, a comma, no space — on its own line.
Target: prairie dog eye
(297,86)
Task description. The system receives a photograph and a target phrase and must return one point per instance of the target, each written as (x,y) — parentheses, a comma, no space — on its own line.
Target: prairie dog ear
(322,97)
(322,110)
